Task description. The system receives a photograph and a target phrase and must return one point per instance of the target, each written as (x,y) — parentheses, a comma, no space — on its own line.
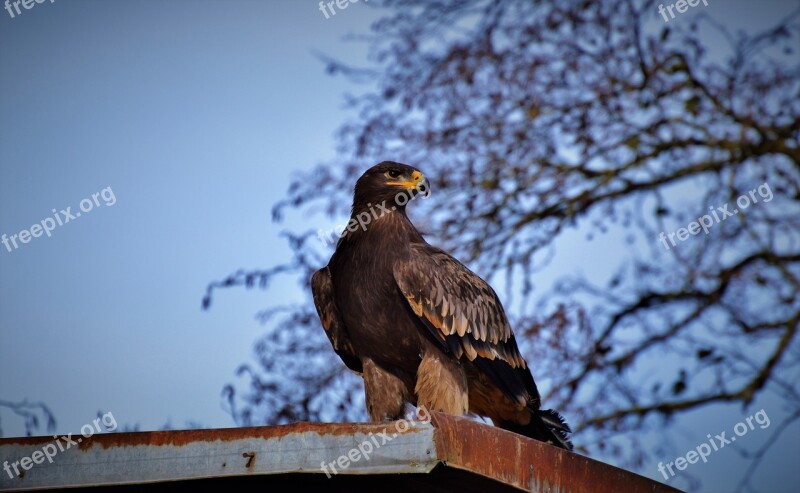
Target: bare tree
(534,119)
(33,415)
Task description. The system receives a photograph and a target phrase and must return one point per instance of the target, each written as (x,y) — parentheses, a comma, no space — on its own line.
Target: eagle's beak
(423,186)
(417,181)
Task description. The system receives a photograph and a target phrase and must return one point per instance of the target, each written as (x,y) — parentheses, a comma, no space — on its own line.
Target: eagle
(417,324)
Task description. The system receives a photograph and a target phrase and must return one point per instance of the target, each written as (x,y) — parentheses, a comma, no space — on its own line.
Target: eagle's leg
(385,393)
(441,384)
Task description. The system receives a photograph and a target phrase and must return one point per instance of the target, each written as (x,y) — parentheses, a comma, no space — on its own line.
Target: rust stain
(529,464)
(181,438)
(460,443)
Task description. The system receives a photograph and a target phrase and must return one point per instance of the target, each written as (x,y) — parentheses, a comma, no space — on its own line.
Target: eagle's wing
(322,288)
(464,315)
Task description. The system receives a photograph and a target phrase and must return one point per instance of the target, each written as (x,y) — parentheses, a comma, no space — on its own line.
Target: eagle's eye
(393,173)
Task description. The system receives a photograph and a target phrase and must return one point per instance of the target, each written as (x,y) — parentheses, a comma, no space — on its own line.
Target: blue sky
(195,114)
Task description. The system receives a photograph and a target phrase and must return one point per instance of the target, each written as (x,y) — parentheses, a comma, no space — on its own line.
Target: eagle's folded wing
(464,315)
(322,288)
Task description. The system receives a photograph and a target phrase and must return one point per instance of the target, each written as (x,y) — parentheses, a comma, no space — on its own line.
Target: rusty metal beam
(528,464)
(449,454)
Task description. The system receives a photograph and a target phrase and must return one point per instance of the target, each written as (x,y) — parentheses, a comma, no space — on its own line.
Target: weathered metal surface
(124,458)
(528,464)
(450,454)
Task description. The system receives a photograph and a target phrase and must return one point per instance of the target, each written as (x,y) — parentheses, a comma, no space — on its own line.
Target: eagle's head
(391,183)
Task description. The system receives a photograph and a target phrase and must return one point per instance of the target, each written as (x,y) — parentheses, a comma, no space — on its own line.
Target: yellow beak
(416,179)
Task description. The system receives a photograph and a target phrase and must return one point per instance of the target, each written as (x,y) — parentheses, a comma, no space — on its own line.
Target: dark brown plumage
(416,323)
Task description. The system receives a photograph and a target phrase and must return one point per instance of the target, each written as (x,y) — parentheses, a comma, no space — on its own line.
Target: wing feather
(464,315)
(331,318)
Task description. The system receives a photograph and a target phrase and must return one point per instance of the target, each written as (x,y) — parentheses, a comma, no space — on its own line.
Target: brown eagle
(417,324)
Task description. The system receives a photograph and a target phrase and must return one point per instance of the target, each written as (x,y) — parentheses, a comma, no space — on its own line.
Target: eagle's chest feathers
(371,254)
(364,281)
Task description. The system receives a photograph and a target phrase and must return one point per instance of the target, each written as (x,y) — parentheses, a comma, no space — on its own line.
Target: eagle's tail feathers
(554,420)
(546,426)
